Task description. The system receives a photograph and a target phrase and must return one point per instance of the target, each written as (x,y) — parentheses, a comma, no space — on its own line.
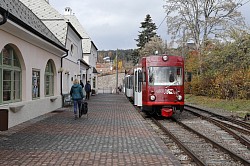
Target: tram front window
(165,76)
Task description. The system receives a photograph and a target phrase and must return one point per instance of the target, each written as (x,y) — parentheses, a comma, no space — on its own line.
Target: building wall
(71,64)
(31,57)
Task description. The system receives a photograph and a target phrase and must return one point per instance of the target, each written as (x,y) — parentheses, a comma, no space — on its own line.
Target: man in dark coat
(88,90)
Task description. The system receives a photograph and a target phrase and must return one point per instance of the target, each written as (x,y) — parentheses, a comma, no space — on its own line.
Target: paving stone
(113,133)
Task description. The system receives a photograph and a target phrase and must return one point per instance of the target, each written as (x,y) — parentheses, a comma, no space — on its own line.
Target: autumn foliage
(225,70)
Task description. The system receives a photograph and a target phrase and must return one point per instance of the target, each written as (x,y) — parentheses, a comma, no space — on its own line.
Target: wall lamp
(3,17)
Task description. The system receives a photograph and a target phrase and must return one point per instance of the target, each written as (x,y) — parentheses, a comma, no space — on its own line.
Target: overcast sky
(114,24)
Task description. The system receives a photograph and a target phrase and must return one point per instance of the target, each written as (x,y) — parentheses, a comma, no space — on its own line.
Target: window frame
(49,72)
(38,84)
(13,66)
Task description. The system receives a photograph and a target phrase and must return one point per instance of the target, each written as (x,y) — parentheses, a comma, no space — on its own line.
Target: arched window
(10,76)
(49,79)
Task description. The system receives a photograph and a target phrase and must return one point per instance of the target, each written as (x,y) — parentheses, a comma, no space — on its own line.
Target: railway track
(174,146)
(238,129)
(204,141)
(241,123)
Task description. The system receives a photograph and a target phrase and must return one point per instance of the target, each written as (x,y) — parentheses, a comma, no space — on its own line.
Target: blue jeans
(77,102)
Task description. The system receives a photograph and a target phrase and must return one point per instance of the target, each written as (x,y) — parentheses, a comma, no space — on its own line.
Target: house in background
(30,58)
(89,50)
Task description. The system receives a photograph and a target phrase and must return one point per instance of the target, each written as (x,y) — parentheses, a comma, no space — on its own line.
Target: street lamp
(3,17)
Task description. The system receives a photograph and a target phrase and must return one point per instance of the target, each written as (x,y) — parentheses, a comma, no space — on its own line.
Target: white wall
(31,57)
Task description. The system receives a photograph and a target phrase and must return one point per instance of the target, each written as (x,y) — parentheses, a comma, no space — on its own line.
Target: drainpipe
(62,72)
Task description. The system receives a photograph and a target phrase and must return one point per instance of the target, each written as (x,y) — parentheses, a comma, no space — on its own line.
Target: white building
(30,59)
(72,65)
(88,47)
(42,52)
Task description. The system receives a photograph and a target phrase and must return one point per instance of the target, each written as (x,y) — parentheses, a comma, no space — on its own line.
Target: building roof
(86,40)
(50,17)
(74,21)
(23,16)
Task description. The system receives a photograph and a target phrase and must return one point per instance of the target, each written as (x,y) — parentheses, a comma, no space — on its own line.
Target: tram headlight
(165,58)
(152,97)
(179,97)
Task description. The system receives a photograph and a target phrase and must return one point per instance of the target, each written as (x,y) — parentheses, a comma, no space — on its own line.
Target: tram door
(137,88)
(139,104)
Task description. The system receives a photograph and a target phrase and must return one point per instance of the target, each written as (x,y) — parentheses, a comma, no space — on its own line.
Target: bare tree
(153,45)
(200,20)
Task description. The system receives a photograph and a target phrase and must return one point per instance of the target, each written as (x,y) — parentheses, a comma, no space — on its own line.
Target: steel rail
(179,143)
(223,125)
(232,154)
(238,122)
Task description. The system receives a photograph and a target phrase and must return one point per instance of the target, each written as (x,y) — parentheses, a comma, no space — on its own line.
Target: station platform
(112,134)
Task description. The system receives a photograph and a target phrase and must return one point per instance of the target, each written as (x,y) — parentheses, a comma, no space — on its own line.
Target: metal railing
(106,90)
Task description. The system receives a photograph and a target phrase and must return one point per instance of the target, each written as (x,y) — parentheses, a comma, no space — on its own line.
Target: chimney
(68,11)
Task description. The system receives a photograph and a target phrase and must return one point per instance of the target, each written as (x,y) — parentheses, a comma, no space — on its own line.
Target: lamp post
(116,71)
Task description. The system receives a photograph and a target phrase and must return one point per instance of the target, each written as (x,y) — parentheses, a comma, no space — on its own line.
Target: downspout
(87,73)
(62,72)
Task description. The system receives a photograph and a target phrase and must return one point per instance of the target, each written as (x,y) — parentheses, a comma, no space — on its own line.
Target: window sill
(52,99)
(16,108)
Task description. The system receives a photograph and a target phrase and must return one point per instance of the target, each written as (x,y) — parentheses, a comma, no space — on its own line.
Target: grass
(238,107)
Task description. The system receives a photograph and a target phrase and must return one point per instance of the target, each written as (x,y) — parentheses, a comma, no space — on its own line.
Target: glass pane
(50,87)
(6,75)
(6,85)
(1,57)
(47,88)
(16,95)
(35,84)
(6,95)
(47,68)
(7,56)
(17,85)
(165,76)
(15,60)
(17,75)
(49,79)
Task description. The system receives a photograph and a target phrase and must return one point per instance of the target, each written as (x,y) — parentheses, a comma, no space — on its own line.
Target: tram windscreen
(165,76)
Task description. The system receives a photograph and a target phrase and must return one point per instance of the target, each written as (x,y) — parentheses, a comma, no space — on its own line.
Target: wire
(163,21)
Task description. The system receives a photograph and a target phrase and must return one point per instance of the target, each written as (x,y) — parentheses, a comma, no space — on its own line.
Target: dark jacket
(81,84)
(87,87)
(76,92)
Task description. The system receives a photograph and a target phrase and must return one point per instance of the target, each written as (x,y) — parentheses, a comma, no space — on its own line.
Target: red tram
(158,84)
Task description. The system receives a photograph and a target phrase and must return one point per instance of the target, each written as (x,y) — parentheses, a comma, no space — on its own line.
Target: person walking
(76,93)
(87,90)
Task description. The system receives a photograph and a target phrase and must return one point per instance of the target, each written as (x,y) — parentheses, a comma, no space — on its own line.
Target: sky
(115,24)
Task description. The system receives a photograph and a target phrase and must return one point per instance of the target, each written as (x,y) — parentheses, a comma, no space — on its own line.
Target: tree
(155,44)
(148,31)
(135,56)
(200,20)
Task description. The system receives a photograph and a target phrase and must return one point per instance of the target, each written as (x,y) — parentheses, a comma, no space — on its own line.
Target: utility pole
(116,71)
(183,42)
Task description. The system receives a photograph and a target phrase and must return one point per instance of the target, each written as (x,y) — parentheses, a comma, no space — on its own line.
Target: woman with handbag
(77,95)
